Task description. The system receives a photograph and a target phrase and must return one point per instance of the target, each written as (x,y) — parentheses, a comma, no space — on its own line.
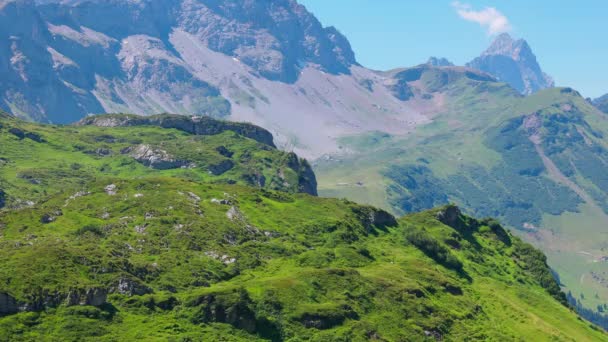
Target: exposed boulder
(156,158)
(234,214)
(92,297)
(131,287)
(450,216)
(50,217)
(111,189)
(375,218)
(2,199)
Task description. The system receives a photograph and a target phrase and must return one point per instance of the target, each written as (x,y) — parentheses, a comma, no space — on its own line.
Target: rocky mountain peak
(64,59)
(512,61)
(439,62)
(275,37)
(505,45)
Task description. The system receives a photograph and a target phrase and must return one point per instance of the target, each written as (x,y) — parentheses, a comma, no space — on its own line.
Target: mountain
(103,239)
(534,162)
(439,62)
(405,140)
(513,62)
(601,103)
(60,62)
(266,62)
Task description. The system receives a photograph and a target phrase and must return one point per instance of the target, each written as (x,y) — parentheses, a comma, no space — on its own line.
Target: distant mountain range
(513,62)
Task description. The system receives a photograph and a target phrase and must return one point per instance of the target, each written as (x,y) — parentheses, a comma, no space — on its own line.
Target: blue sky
(569,38)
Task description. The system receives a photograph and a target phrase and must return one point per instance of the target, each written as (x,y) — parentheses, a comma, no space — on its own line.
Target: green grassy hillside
(538,163)
(116,250)
(171,259)
(39,160)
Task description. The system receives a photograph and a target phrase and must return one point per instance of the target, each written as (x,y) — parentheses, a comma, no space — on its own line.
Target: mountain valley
(277,111)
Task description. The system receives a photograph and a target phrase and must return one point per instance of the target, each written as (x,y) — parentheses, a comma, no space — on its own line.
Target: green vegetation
(38,161)
(536,163)
(114,250)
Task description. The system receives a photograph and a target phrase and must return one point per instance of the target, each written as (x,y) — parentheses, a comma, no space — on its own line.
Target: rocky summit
(64,59)
(512,61)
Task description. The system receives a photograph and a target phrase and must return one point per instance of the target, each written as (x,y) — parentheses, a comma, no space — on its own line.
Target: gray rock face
(307,182)
(130,287)
(61,60)
(156,158)
(273,37)
(513,62)
(93,297)
(2,198)
(450,216)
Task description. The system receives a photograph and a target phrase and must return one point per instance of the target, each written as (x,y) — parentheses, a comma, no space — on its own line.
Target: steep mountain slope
(513,61)
(266,62)
(133,255)
(406,139)
(38,161)
(535,162)
(602,103)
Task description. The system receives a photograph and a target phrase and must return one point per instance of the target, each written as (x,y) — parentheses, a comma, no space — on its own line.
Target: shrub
(94,230)
(433,249)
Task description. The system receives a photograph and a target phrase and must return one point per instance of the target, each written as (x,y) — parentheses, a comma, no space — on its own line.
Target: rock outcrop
(156,158)
(439,62)
(9,305)
(130,287)
(513,62)
(307,182)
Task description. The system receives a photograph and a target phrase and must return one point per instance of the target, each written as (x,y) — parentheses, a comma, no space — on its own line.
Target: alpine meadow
(228,170)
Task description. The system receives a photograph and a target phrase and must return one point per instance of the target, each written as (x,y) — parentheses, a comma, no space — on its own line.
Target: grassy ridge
(202,261)
(96,245)
(38,160)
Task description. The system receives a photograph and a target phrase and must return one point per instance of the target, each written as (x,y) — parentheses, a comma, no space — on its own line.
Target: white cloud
(489,18)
